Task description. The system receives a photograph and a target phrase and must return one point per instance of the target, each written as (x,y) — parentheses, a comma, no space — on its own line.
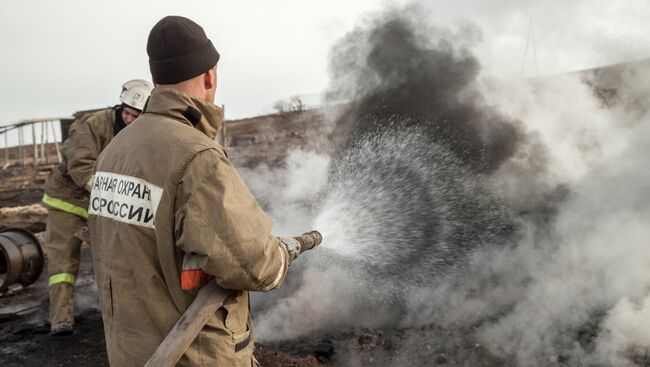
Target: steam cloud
(441,208)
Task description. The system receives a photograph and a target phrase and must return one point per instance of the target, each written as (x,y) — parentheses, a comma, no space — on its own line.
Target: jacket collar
(204,116)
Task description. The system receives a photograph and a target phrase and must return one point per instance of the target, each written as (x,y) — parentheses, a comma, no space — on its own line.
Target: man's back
(169,214)
(167,206)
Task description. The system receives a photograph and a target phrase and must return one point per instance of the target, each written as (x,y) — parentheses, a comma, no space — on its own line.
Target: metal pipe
(21,257)
(309,240)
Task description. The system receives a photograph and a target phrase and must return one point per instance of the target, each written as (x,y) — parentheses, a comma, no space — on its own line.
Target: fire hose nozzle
(309,240)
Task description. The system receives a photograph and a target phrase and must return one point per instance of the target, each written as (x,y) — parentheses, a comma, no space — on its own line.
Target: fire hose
(208,300)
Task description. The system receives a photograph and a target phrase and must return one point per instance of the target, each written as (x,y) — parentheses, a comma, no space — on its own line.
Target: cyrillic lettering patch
(124,199)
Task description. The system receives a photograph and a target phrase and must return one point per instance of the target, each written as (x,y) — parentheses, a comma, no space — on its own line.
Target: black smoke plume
(419,144)
(409,198)
(402,69)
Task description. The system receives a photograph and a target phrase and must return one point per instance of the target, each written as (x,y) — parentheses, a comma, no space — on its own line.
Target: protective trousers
(63,249)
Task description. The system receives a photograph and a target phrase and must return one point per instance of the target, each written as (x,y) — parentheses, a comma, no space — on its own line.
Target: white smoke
(595,257)
(625,332)
(537,294)
(574,283)
(287,192)
(596,253)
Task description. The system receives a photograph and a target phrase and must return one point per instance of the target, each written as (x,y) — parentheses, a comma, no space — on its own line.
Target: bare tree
(292,104)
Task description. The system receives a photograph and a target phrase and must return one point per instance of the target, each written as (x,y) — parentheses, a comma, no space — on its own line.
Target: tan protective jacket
(166,206)
(88,136)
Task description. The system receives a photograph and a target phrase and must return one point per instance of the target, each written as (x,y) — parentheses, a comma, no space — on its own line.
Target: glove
(297,245)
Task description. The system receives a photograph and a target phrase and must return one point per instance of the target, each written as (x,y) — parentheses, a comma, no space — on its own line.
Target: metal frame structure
(42,130)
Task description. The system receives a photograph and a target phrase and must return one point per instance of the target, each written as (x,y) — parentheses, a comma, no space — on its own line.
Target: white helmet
(135,93)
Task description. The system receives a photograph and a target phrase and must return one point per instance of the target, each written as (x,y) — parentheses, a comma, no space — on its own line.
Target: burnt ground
(24,338)
(430,345)
(31,345)
(22,185)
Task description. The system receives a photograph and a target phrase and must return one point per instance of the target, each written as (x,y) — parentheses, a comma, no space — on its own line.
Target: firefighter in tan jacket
(169,213)
(67,193)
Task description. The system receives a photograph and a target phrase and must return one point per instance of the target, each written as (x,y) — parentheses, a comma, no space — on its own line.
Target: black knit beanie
(179,50)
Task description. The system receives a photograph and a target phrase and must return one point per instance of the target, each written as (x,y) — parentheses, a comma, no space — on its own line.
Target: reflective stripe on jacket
(61,278)
(65,206)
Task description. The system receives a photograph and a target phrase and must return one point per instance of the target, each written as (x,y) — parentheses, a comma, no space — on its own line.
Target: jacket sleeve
(85,143)
(219,222)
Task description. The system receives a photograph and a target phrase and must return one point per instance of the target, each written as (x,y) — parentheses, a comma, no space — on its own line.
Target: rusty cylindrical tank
(21,257)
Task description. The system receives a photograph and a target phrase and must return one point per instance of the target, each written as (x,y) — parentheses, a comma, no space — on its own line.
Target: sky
(58,57)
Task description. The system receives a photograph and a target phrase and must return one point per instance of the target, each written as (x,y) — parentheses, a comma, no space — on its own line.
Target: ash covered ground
(24,338)
(468,221)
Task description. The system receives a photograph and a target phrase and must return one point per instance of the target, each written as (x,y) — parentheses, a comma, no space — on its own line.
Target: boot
(61,309)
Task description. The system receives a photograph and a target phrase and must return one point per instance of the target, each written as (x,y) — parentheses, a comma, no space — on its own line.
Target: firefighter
(67,193)
(169,213)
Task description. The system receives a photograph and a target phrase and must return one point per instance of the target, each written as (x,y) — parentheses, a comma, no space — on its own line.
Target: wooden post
(43,151)
(47,141)
(20,150)
(35,156)
(56,144)
(20,146)
(23,156)
(6,147)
